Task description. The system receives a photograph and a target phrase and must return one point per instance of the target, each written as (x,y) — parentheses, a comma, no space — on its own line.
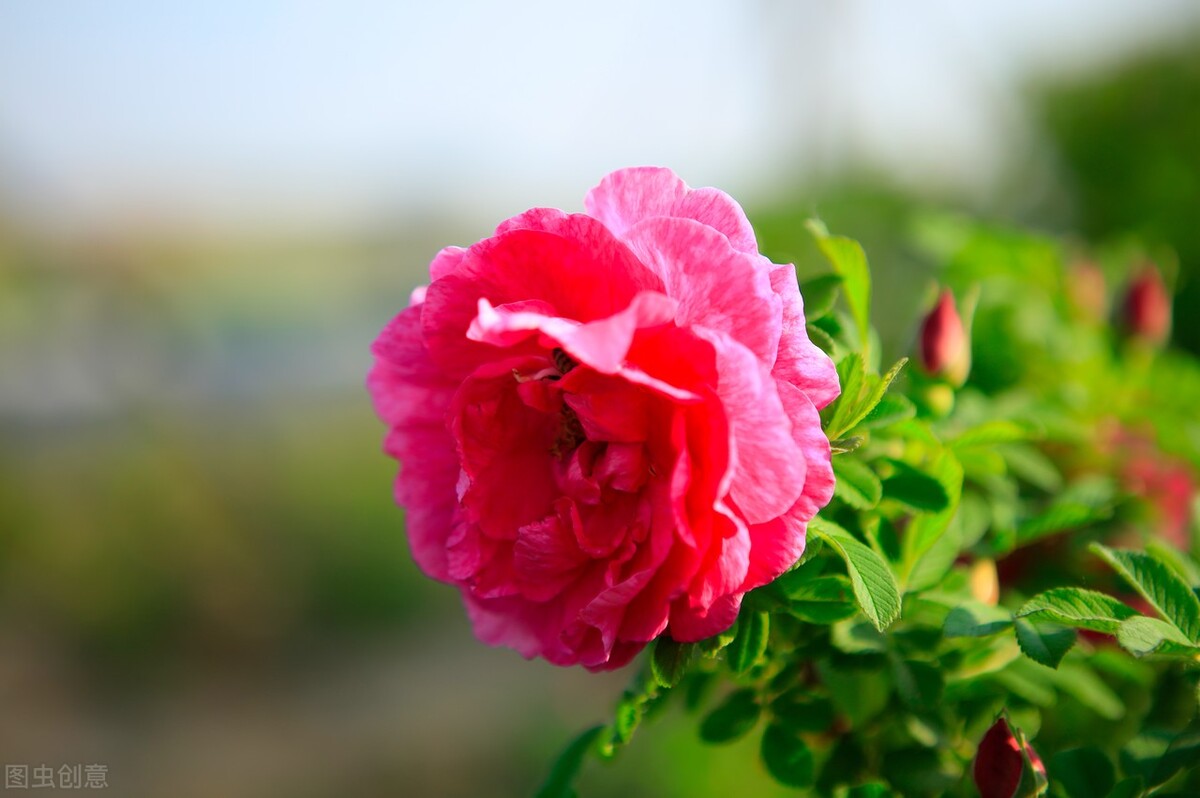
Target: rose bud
(607,422)
(1006,766)
(945,351)
(1146,311)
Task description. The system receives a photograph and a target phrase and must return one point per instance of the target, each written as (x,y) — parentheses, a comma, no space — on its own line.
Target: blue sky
(230,111)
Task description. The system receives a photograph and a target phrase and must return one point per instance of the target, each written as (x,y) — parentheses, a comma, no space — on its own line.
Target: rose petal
(628,196)
(584,277)
(800,361)
(770,467)
(717,286)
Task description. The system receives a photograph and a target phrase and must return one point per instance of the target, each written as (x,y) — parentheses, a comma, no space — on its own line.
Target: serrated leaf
(850,262)
(916,489)
(669,661)
(856,484)
(1082,609)
(1142,636)
(1082,772)
(892,407)
(822,339)
(852,377)
(820,295)
(1183,565)
(1160,585)
(874,586)
(558,783)
(750,643)
(875,388)
(732,718)
(787,757)
(975,619)
(1045,644)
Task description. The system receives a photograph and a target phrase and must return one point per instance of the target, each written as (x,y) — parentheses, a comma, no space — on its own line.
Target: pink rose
(607,422)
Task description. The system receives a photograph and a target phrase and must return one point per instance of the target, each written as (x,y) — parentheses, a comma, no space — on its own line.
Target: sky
(247,112)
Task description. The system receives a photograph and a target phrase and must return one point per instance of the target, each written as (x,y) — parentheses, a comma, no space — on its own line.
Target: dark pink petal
(601,344)
(689,625)
(609,408)
(717,286)
(587,276)
(800,361)
(501,442)
(545,553)
(413,397)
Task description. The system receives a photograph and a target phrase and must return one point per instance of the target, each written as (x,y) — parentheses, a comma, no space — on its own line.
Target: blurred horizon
(293,117)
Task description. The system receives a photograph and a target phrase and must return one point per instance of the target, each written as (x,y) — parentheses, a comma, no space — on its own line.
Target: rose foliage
(629,429)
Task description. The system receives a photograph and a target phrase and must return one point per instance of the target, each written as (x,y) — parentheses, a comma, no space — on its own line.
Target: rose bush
(607,422)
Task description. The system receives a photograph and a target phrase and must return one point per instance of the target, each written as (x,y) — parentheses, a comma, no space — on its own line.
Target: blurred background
(207,213)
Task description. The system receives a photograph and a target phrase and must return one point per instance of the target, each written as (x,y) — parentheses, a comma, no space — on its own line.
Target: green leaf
(892,407)
(930,543)
(735,716)
(1160,585)
(852,376)
(856,484)
(915,489)
(822,600)
(976,619)
(1183,565)
(750,643)
(821,338)
(820,295)
(802,711)
(1082,772)
(991,433)
(1045,644)
(1182,754)
(1082,609)
(1029,464)
(1061,516)
(875,789)
(669,661)
(850,262)
(1131,787)
(874,586)
(875,389)
(1082,684)
(566,767)
(787,757)
(845,445)
(1142,636)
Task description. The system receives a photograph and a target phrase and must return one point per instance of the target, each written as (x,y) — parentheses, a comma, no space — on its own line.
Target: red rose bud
(1146,312)
(1006,766)
(945,351)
